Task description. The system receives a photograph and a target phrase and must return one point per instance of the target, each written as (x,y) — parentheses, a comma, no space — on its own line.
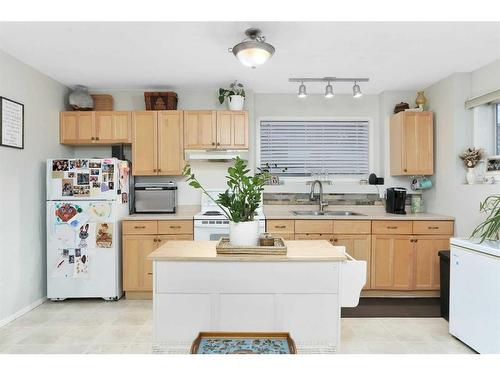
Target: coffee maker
(395,201)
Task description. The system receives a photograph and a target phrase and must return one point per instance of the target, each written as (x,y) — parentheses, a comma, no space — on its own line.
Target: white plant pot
(471,176)
(244,234)
(236,102)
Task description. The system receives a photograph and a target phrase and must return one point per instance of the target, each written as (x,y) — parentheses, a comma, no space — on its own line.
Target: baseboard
(400,293)
(23,311)
(138,295)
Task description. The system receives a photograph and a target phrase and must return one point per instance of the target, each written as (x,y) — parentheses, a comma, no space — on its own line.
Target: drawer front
(140,226)
(392,227)
(175,227)
(280,226)
(313,226)
(433,227)
(352,227)
(266,277)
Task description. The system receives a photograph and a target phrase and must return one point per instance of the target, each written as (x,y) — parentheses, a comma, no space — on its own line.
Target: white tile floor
(96,326)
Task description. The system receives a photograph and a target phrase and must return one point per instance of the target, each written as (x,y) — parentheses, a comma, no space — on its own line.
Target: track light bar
(328,79)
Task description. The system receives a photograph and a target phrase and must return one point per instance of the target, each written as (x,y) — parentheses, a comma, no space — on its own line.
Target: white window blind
(305,147)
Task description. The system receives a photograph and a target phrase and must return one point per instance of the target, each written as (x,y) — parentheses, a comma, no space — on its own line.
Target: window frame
(335,177)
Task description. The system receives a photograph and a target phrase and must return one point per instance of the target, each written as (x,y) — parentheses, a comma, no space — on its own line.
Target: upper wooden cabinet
(113,127)
(205,130)
(200,129)
(232,129)
(89,127)
(412,143)
(157,143)
(76,127)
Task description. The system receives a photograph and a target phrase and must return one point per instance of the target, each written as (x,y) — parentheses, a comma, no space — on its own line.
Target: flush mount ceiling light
(253,51)
(302,91)
(356,90)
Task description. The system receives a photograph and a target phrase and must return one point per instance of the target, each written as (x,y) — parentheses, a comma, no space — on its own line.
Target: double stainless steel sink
(326,213)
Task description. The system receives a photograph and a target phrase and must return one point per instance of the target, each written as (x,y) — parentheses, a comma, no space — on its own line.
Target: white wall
(453,133)
(22,185)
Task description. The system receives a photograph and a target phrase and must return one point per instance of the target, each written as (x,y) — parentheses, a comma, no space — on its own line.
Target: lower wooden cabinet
(405,262)
(137,270)
(391,262)
(140,238)
(426,260)
(359,247)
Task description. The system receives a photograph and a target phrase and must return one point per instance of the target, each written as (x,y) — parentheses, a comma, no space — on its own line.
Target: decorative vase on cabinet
(236,102)
(80,100)
(471,176)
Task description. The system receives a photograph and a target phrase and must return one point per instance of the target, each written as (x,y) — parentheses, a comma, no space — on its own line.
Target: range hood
(215,155)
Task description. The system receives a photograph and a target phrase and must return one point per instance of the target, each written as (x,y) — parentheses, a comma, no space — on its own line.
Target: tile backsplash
(332,199)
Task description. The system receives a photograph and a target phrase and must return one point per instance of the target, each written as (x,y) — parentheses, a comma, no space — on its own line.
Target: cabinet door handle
(92,138)
(280,226)
(159,170)
(335,240)
(432,227)
(175,227)
(140,227)
(150,273)
(218,143)
(392,227)
(97,138)
(159,240)
(213,143)
(405,170)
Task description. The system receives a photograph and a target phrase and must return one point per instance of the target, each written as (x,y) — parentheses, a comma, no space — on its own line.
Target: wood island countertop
(304,250)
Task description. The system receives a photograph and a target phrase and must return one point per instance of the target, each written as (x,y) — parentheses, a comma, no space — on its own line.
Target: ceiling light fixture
(253,51)
(302,91)
(356,90)
(329,91)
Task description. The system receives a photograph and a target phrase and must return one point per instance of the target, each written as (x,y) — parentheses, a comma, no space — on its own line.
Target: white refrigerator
(86,199)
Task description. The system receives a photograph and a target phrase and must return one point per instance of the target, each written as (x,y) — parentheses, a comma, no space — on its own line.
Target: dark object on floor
(444,272)
(394,308)
(243,343)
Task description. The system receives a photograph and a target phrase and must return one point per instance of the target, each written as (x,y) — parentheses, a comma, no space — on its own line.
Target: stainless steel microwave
(155,197)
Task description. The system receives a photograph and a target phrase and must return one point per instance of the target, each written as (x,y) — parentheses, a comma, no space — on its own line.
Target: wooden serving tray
(243,343)
(225,248)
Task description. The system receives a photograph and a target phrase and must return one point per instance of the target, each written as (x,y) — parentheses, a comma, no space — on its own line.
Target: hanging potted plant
(239,202)
(489,229)
(471,157)
(235,96)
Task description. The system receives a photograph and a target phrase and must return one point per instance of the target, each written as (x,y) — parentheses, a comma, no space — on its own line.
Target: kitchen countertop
(304,250)
(284,212)
(182,213)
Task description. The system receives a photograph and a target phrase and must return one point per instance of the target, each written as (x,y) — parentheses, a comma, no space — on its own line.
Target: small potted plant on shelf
(489,229)
(471,157)
(239,202)
(235,96)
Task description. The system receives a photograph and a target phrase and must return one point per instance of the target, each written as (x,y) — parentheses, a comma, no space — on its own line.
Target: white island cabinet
(195,290)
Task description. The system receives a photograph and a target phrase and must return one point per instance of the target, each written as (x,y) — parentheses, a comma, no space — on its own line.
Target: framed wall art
(11,123)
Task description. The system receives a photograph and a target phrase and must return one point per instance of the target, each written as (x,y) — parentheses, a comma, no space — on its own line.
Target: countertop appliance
(86,198)
(155,197)
(210,224)
(475,294)
(395,200)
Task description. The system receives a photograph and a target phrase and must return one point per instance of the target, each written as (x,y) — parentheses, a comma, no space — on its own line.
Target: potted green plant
(235,96)
(239,202)
(489,229)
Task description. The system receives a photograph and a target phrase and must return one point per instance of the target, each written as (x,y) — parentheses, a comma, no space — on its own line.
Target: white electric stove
(211,224)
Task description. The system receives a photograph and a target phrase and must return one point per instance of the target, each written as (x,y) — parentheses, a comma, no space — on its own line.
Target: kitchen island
(195,290)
